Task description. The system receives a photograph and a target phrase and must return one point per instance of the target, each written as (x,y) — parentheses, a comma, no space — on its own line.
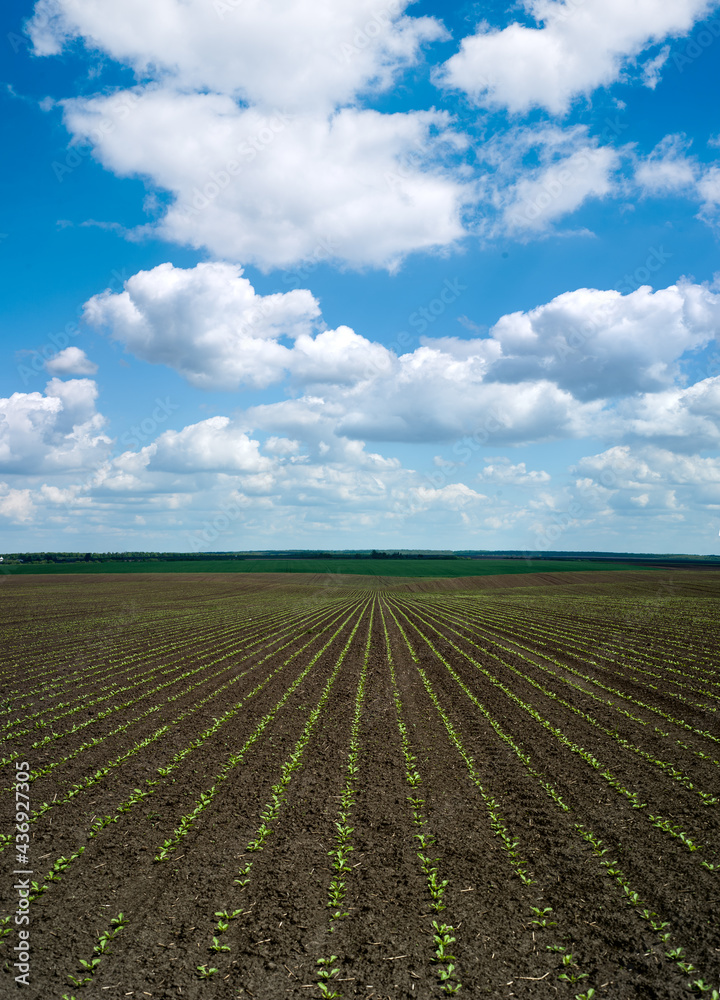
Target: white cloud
(679,419)
(281,446)
(708,188)
(212,445)
(249,124)
(668,168)
(539,375)
(601,344)
(646,476)
(59,431)
(502,471)
(651,70)
(71,361)
(309,54)
(16,505)
(276,189)
(582,45)
(556,190)
(206,322)
(537,174)
(339,357)
(454,496)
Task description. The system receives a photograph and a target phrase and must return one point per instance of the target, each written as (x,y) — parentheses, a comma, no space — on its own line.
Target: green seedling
(585,996)
(216,946)
(325,972)
(79,982)
(204,971)
(542,915)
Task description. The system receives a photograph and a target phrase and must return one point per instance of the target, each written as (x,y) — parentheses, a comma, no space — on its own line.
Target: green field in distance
(364,567)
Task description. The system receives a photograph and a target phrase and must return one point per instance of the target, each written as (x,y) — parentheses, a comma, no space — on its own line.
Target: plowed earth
(537,779)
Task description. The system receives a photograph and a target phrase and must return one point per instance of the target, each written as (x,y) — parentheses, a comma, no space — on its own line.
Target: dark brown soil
(182,651)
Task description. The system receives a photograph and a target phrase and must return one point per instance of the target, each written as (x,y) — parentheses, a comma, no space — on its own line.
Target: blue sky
(360,275)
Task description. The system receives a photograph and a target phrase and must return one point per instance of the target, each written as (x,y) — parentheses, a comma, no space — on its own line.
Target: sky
(371,274)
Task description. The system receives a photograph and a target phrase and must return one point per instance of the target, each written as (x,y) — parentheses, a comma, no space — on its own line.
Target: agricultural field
(269,786)
(362,567)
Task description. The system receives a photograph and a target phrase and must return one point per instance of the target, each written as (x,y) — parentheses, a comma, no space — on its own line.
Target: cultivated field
(346,787)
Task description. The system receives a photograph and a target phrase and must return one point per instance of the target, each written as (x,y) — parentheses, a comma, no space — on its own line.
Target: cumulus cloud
(559,189)
(649,476)
(602,344)
(281,446)
(633,468)
(578,46)
(276,188)
(312,55)
(206,322)
(537,375)
(249,125)
(259,131)
(59,430)
(679,419)
(538,174)
(71,361)
(16,505)
(670,169)
(504,472)
(212,445)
